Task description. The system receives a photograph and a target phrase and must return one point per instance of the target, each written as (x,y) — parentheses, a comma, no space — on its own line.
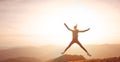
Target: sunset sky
(41,22)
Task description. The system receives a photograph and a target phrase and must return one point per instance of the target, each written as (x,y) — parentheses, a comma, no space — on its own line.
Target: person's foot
(89,54)
(62,52)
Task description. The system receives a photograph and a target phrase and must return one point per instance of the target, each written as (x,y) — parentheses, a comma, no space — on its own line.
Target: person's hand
(64,23)
(88,29)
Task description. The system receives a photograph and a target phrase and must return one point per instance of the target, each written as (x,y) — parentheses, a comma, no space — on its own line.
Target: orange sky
(34,22)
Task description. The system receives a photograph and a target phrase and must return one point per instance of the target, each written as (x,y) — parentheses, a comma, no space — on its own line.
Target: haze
(41,22)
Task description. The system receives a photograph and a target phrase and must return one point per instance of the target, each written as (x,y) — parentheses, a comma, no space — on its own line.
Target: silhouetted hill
(67,57)
(22,59)
(80,58)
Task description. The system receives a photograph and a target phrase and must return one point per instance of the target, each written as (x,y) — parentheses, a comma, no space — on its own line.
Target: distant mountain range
(22,59)
(43,52)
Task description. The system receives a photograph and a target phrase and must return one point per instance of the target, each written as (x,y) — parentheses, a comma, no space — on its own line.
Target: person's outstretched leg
(83,48)
(68,47)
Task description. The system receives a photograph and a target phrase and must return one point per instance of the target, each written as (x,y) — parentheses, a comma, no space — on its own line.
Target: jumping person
(75,38)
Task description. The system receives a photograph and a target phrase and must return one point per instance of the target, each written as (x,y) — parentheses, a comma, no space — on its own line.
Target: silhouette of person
(75,38)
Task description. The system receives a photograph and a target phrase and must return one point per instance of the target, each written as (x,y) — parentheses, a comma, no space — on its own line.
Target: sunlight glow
(54,30)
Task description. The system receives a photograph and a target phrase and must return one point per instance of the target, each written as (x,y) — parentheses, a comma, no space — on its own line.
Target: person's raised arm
(84,30)
(67,27)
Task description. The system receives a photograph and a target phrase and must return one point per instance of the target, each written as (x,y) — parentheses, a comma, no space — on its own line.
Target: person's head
(75,27)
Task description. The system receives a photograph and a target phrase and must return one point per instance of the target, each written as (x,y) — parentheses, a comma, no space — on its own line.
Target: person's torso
(75,34)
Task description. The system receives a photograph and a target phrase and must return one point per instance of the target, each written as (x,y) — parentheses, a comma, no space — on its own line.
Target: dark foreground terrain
(80,58)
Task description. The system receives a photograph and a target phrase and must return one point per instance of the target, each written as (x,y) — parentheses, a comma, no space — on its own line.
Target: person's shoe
(89,54)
